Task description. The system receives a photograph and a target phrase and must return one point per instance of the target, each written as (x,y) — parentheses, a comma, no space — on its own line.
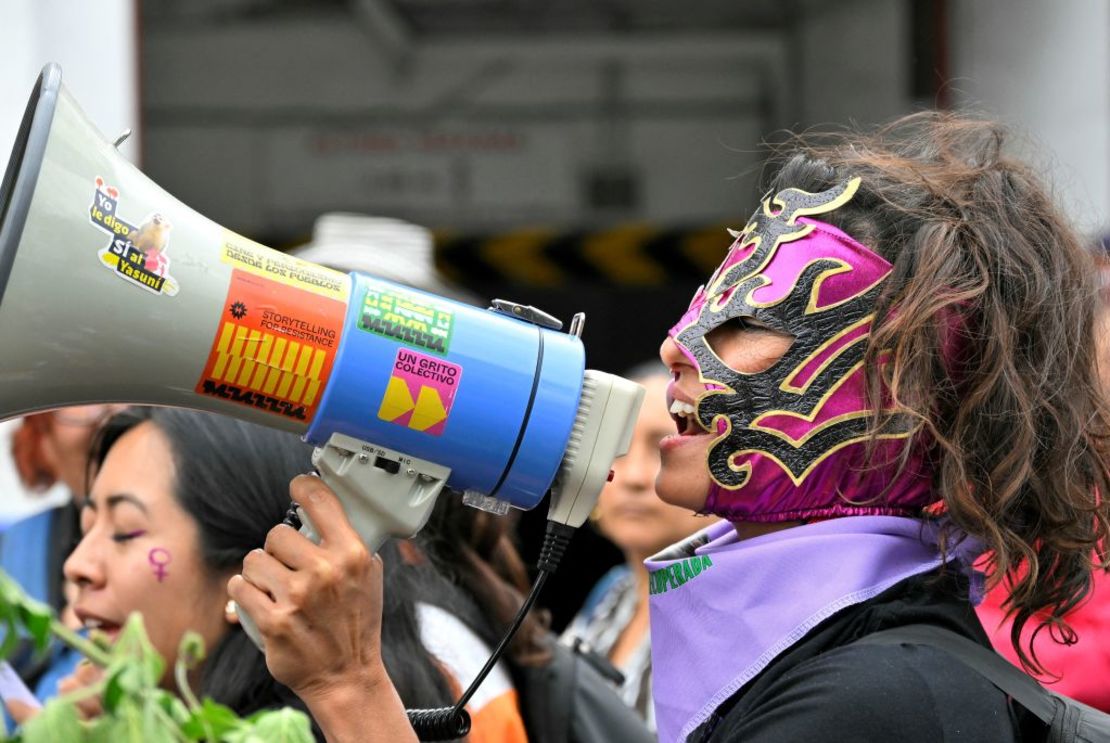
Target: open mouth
(101,626)
(685,418)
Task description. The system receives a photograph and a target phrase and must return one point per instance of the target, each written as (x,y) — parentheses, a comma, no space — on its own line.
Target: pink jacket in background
(1083,668)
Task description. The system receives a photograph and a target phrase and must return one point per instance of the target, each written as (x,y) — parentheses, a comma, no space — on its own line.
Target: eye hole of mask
(748,346)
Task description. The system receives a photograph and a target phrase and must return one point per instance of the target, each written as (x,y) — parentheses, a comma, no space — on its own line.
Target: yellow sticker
(255,258)
(274,348)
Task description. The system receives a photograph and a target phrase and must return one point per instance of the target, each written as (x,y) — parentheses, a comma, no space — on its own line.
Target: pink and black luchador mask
(791,439)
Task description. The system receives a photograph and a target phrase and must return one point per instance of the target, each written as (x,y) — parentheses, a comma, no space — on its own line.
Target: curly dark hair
(989,323)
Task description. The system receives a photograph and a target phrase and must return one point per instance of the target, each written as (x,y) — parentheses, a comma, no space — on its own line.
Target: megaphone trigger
(292,517)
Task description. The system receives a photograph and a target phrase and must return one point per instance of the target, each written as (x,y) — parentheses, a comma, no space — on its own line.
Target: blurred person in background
(468,582)
(391,249)
(1080,670)
(49,449)
(614,620)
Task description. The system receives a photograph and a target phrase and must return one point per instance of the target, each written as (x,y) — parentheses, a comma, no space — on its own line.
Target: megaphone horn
(111,290)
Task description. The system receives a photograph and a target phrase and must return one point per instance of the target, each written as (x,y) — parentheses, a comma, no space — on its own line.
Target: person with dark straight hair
(179,500)
(891,374)
(49,450)
(463,602)
(613,621)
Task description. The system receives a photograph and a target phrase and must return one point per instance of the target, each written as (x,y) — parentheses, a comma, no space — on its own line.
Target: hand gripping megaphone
(111,290)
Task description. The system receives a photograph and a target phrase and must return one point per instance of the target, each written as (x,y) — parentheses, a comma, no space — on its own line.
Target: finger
(251,599)
(290,547)
(274,621)
(323,508)
(21,712)
(267,573)
(87,673)
(90,707)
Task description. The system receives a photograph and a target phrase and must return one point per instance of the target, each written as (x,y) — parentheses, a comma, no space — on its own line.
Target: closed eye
(748,346)
(750,323)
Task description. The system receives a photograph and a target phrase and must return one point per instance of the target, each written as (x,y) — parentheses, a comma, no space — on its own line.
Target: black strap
(992,666)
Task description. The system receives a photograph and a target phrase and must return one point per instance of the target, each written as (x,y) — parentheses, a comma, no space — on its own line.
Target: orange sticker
(274,348)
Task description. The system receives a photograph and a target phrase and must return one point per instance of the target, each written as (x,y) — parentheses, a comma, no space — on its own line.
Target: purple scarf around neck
(722,609)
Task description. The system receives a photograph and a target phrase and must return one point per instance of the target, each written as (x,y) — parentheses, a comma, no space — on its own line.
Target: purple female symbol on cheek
(159,558)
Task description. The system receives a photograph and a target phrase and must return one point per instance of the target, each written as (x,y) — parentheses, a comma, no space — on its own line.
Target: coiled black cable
(444,723)
(441,723)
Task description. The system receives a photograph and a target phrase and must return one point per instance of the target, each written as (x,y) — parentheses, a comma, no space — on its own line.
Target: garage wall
(1045,69)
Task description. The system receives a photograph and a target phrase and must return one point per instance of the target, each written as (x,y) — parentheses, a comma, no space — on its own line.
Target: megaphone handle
(384,493)
(373,542)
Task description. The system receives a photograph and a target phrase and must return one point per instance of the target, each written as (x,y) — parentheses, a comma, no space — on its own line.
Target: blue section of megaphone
(490,396)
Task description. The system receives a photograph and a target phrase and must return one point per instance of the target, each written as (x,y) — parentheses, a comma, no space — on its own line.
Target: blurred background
(571,154)
(576,155)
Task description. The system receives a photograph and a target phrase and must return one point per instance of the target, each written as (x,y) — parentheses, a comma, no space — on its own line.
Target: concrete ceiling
(435,17)
(425,19)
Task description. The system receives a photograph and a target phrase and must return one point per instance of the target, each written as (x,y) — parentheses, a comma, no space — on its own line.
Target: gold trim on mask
(714,305)
(812,307)
(797,481)
(786,437)
(786,386)
(812,416)
(712,290)
(716,291)
(839,201)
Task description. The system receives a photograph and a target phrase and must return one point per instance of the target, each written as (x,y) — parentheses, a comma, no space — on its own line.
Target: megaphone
(111,290)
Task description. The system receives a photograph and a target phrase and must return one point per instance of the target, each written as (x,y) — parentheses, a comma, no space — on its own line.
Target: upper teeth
(93,623)
(678,407)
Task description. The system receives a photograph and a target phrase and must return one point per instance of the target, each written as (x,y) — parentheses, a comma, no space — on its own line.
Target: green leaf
(134,643)
(284,725)
(11,638)
(128,676)
(130,724)
(10,593)
(136,709)
(113,691)
(171,706)
(190,651)
(36,618)
(110,729)
(55,723)
(17,607)
(211,720)
(101,730)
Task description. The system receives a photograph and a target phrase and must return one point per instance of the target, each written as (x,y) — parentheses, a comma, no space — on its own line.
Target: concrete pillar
(97,46)
(1044,68)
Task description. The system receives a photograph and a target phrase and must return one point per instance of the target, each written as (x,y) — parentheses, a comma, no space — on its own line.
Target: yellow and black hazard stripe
(631,255)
